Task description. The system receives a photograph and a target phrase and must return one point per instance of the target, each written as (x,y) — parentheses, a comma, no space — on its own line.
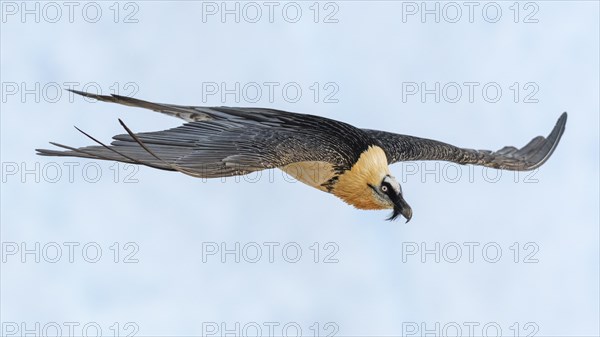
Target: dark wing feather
(534,154)
(227,141)
(187,113)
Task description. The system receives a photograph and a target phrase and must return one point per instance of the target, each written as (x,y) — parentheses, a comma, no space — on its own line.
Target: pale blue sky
(369,55)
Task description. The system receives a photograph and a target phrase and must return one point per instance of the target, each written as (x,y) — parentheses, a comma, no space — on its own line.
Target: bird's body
(313,173)
(332,156)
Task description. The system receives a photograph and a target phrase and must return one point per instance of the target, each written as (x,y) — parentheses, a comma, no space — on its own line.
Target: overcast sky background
(366,58)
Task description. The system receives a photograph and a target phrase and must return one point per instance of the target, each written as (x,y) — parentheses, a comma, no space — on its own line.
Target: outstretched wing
(223,141)
(534,154)
(187,113)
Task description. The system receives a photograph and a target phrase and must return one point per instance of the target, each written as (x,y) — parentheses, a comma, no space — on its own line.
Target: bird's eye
(384,189)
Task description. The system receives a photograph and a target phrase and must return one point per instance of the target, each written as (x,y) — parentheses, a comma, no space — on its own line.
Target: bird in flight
(332,156)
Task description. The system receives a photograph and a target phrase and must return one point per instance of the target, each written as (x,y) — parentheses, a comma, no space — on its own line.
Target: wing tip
(45,152)
(113,98)
(558,130)
(553,139)
(563,117)
(91,95)
(560,123)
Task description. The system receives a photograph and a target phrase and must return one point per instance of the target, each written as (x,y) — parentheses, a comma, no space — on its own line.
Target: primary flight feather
(332,156)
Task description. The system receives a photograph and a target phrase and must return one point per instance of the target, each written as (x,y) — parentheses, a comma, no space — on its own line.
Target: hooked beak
(401,207)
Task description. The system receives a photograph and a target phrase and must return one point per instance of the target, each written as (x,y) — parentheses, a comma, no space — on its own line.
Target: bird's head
(369,185)
(388,193)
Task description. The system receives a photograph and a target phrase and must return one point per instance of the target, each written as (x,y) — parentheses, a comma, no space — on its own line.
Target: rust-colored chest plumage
(352,186)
